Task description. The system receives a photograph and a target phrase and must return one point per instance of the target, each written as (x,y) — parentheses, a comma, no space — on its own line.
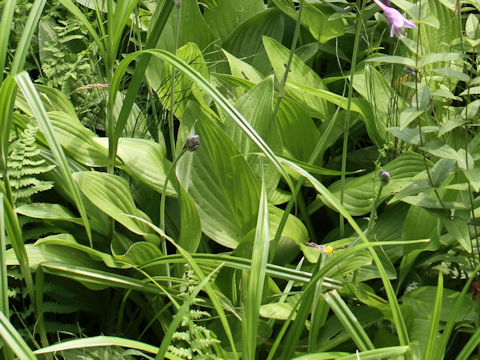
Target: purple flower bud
(397,20)
(192,143)
(384,177)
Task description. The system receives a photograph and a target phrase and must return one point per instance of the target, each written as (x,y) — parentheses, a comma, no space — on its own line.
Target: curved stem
(162,207)
(349,105)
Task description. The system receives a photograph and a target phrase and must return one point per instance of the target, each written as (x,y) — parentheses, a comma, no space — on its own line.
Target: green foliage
(298,106)
(24,166)
(191,340)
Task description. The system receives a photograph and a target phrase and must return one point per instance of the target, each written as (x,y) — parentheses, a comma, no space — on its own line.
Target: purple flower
(397,20)
(192,143)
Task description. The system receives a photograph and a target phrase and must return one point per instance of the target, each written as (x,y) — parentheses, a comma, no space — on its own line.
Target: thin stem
(349,105)
(172,89)
(281,94)
(162,207)
(281,90)
(467,101)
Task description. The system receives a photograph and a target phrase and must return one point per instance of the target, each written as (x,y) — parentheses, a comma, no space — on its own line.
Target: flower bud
(192,143)
(384,177)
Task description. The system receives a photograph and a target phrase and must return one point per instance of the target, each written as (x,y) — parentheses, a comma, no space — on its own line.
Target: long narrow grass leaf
(349,321)
(101,341)
(33,98)
(25,41)
(181,313)
(470,346)
(256,280)
(14,233)
(202,83)
(447,331)
(5,28)
(13,340)
(208,288)
(392,298)
(435,321)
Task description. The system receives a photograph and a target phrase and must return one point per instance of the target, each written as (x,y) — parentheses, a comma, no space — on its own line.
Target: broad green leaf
(52,99)
(257,107)
(449,125)
(229,14)
(279,311)
(32,97)
(410,135)
(68,241)
(241,69)
(360,191)
(422,97)
(77,141)
(160,79)
(458,229)
(146,161)
(190,226)
(300,73)
(472,27)
(246,40)
(111,194)
(298,131)
(317,19)
(49,211)
(388,59)
(408,115)
(473,176)
(220,100)
(219,181)
(439,57)
(441,150)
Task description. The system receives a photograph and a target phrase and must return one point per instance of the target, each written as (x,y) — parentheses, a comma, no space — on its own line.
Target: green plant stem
(281,89)
(281,94)
(470,192)
(346,127)
(172,89)
(162,207)
(316,154)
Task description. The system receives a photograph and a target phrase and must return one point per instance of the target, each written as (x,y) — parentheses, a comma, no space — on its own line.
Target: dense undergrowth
(227,179)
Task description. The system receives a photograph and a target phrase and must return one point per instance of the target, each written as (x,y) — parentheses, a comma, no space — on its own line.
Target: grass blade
(201,82)
(447,331)
(435,321)
(5,27)
(392,298)
(4,308)
(470,346)
(349,321)
(99,277)
(33,98)
(182,312)
(26,38)
(256,280)
(16,240)
(13,339)
(208,288)
(101,341)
